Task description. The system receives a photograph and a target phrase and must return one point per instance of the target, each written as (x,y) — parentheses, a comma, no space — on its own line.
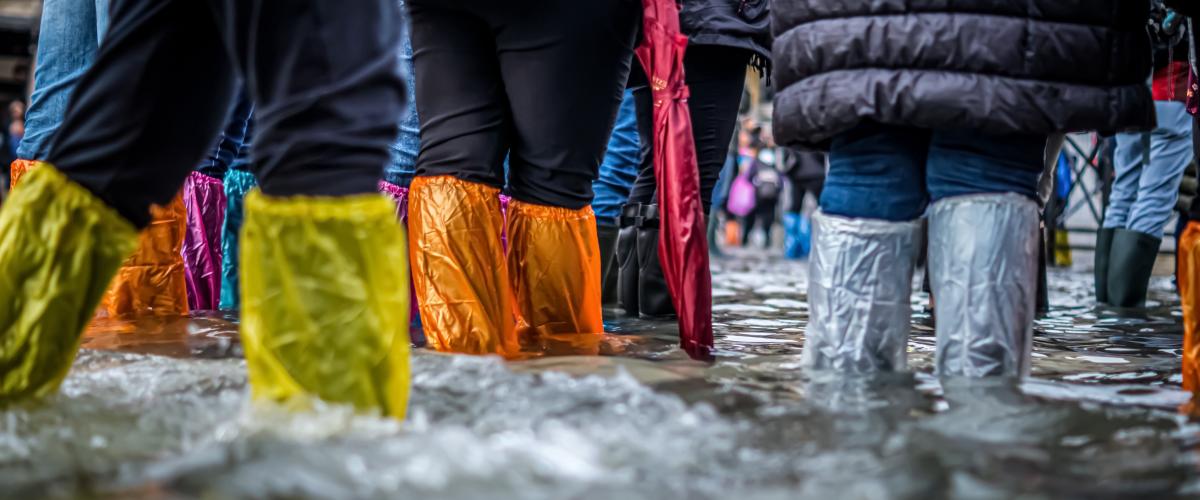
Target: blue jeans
(619,169)
(70,37)
(1144,194)
(892,173)
(404,151)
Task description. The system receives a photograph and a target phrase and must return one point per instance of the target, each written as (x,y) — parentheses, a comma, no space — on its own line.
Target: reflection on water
(158,408)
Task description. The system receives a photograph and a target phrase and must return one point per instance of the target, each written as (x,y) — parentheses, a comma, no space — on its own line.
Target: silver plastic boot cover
(859,287)
(983,253)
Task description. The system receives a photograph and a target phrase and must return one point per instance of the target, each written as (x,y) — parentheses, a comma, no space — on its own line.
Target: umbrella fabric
(683,248)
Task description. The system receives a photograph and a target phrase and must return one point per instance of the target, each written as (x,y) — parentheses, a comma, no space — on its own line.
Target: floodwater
(159,409)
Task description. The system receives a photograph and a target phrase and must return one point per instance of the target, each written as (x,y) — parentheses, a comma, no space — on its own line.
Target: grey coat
(995,66)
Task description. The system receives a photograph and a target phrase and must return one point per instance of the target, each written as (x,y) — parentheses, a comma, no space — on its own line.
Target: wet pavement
(159,408)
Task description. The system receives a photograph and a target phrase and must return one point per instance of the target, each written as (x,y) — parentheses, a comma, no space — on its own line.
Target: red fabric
(683,247)
(1171,82)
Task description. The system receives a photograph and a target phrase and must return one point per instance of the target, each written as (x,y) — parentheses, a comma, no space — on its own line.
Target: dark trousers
(323,74)
(763,215)
(233,143)
(537,80)
(716,77)
(799,189)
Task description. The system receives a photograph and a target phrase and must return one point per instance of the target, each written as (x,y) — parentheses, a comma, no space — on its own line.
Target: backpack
(767,182)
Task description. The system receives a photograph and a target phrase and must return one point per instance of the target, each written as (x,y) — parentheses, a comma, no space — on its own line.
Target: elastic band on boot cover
(152,281)
(237,184)
(458,266)
(325,302)
(1189,291)
(859,288)
(554,268)
(983,252)
(204,198)
(60,246)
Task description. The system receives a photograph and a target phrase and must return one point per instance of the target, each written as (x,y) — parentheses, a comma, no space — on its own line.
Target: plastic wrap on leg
(399,196)
(19,169)
(59,248)
(983,252)
(554,265)
(458,266)
(1189,279)
(859,288)
(204,198)
(237,184)
(152,281)
(325,307)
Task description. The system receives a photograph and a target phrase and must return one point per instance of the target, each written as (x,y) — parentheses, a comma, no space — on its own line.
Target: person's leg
(120,149)
(206,203)
(67,44)
(1135,246)
(322,250)
(454,213)
(1128,161)
(864,247)
(983,250)
(564,80)
(767,216)
(618,171)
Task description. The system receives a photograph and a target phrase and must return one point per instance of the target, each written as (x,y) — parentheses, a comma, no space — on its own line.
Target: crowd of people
(514,140)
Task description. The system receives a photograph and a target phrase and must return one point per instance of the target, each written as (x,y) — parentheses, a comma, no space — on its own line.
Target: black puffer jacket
(995,66)
(742,24)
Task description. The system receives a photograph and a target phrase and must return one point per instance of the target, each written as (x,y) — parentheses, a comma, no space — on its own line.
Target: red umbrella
(682,245)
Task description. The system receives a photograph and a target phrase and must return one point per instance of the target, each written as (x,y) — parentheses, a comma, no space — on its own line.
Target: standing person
(324,311)
(1149,168)
(538,81)
(949,110)
(724,37)
(768,186)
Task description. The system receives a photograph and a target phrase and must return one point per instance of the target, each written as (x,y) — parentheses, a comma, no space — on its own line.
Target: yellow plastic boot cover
(554,265)
(153,280)
(325,301)
(458,266)
(1189,280)
(59,248)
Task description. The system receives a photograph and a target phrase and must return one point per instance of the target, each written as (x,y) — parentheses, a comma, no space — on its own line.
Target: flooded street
(159,409)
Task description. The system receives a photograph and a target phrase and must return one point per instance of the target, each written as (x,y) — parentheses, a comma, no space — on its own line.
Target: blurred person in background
(1149,167)
(942,112)
(768,187)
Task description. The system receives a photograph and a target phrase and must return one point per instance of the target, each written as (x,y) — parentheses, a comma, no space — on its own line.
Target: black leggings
(537,80)
(322,72)
(716,77)
(801,187)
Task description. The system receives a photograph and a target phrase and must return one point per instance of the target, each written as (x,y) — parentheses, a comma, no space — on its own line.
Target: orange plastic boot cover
(152,281)
(458,266)
(1189,278)
(554,267)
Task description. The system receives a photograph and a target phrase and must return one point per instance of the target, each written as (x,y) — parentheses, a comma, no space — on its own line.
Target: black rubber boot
(1130,263)
(607,236)
(654,298)
(626,258)
(1104,239)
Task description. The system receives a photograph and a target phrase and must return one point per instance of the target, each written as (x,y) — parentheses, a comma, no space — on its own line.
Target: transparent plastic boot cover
(983,265)
(860,282)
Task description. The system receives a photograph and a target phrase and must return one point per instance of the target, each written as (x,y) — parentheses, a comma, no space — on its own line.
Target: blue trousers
(70,38)
(892,173)
(404,151)
(1144,193)
(619,169)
